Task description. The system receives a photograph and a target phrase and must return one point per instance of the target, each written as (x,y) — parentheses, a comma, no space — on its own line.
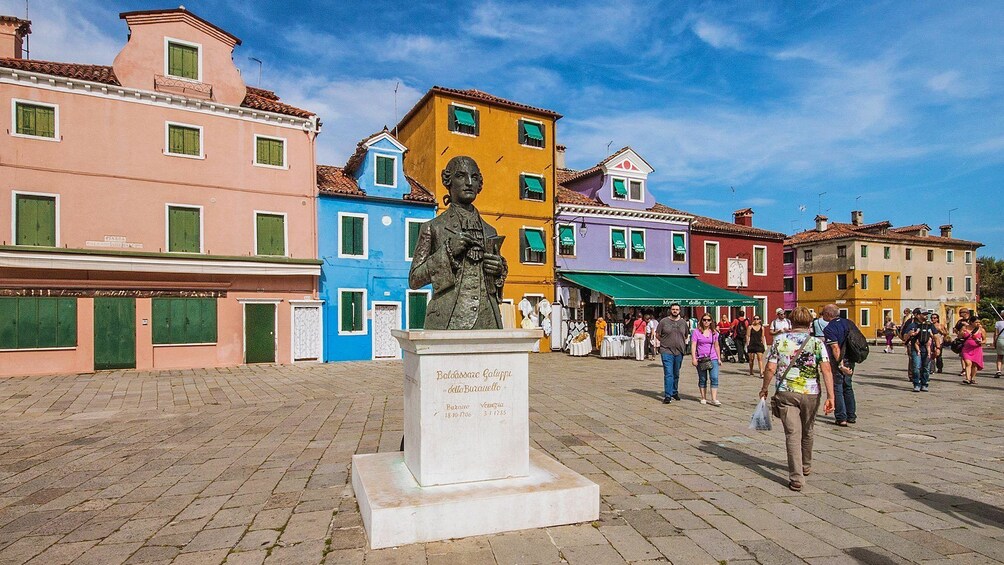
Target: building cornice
(32,79)
(609,212)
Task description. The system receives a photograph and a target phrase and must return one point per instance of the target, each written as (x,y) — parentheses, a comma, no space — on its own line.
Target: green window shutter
(269,152)
(278,153)
(619,190)
(8,322)
(414,231)
(36,220)
(638,242)
(679,243)
(271,235)
(759,256)
(183,140)
(566,235)
(262,151)
(179,322)
(352,235)
(384,170)
(533,131)
(617,239)
(183,61)
(32,119)
(209,320)
(192,145)
(183,230)
(175,140)
(48,309)
(161,320)
(465,116)
(533,184)
(535,240)
(417,303)
(25,115)
(352,311)
(27,322)
(184,320)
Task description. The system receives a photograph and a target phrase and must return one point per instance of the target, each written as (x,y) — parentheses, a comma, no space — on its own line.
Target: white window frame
(887,252)
(13,119)
(170,40)
(968,257)
(407,303)
(167,225)
(792,279)
(908,282)
(524,174)
(407,230)
(887,312)
(13,212)
(543,237)
(863,251)
(969,285)
(766,308)
(864,281)
(806,278)
(836,281)
(285,232)
(764,273)
(627,189)
(843,313)
(366,316)
(718,258)
(285,144)
(543,131)
(610,244)
(575,239)
(477,119)
(366,235)
(949,284)
(686,247)
(862,314)
(642,183)
(644,240)
(377,155)
(884,279)
(167,140)
(949,255)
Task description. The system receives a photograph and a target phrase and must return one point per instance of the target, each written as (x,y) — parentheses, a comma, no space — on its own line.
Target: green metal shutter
(417,303)
(36,220)
(27,322)
(271,234)
(161,320)
(414,231)
(183,230)
(8,322)
(209,320)
(47,321)
(66,322)
(179,322)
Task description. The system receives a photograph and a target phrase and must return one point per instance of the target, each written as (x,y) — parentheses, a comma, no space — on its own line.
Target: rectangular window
(759,260)
(909,254)
(184,229)
(618,243)
(636,191)
(807,284)
(531,187)
(532,245)
(807,255)
(351,319)
(864,250)
(33,119)
(908,282)
(184,140)
(620,189)
(679,247)
(31,322)
(950,284)
(843,313)
(464,119)
(866,317)
(930,283)
(352,235)
(864,282)
(887,252)
(841,251)
(531,133)
(841,282)
(418,301)
(969,284)
(930,255)
(269,151)
(710,257)
(414,229)
(789,257)
(385,170)
(789,284)
(638,245)
(270,234)
(566,240)
(182,60)
(184,320)
(969,257)
(34,220)
(886,282)
(949,256)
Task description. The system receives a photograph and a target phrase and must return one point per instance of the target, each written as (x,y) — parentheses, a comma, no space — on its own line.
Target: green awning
(619,189)
(637,242)
(533,185)
(617,237)
(679,244)
(464,116)
(533,131)
(534,240)
(657,290)
(566,235)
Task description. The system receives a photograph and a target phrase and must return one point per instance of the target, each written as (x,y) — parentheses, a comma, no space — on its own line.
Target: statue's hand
(459,245)
(493,265)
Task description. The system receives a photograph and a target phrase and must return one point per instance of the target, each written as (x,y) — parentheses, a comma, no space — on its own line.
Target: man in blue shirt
(919,334)
(835,335)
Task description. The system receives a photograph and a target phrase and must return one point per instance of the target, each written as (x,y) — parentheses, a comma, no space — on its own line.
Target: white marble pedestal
(467,468)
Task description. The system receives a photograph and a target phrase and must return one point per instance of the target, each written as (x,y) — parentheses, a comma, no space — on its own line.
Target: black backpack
(856,345)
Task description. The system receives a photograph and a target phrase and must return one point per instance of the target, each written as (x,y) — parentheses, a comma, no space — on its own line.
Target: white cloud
(717,35)
(66,31)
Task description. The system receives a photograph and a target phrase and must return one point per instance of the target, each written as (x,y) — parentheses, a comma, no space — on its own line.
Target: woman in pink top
(972,349)
(639,330)
(704,345)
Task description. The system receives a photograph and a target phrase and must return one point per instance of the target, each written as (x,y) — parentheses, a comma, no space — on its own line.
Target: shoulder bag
(775,408)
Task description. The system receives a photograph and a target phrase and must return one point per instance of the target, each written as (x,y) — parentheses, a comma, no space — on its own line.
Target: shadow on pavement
(761,466)
(658,395)
(966,509)
(869,556)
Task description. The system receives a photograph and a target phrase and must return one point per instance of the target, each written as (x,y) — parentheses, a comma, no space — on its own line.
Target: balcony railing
(182,86)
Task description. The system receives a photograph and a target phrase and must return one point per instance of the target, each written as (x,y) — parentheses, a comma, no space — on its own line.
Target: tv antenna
(819,204)
(396,85)
(609,143)
(27,38)
(260,64)
(950,215)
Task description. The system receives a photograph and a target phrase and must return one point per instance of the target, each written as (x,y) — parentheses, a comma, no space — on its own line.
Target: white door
(306,333)
(386,317)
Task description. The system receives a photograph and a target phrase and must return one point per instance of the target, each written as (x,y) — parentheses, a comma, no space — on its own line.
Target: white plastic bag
(761,417)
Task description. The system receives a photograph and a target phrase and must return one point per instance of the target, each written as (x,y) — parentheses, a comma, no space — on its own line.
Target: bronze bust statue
(458,252)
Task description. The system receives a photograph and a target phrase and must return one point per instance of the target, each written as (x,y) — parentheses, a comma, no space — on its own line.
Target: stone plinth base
(396,510)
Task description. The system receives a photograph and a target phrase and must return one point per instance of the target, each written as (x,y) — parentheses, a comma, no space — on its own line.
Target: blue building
(368,218)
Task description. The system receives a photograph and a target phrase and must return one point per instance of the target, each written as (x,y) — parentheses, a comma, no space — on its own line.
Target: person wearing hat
(918,334)
(780,323)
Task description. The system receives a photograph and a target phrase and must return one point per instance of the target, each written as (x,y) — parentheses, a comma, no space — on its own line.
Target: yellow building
(871,271)
(514,146)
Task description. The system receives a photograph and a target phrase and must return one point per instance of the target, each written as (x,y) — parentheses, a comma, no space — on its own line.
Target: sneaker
(716,403)
(703,401)
(676,397)
(916,389)
(923,388)
(667,400)
(997,375)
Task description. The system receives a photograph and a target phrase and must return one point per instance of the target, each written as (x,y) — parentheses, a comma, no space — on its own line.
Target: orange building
(514,146)
(161,213)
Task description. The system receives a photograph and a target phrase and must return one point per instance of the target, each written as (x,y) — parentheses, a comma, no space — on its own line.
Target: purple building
(790,274)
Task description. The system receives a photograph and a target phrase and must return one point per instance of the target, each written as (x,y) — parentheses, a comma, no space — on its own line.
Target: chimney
(12,33)
(559,156)
(743,217)
(857,217)
(821,222)
(946,231)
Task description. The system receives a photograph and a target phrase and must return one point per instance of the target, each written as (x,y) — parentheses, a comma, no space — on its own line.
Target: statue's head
(462,178)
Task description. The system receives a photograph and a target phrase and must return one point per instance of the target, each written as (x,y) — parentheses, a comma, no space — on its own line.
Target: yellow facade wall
(501,159)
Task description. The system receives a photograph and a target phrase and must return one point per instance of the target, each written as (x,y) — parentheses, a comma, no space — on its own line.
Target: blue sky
(896,108)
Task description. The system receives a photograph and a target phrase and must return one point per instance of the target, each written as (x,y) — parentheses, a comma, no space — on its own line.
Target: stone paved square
(252,465)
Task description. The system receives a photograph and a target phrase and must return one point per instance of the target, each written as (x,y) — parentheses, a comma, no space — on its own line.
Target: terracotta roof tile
(706,224)
(419,193)
(568,196)
(359,154)
(333,180)
(837,230)
(663,209)
(913,228)
(269,102)
(570,175)
(474,95)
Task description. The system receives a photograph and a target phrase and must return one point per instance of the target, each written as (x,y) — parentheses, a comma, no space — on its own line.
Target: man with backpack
(739,327)
(919,334)
(838,334)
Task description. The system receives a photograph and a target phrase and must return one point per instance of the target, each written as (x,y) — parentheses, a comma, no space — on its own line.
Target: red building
(739,257)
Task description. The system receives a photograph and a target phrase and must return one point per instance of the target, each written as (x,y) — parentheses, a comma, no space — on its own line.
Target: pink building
(161,213)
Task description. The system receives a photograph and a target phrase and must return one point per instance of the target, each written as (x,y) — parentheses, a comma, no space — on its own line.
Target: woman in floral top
(797,390)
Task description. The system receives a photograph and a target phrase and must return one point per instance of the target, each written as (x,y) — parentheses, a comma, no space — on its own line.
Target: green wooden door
(259,333)
(114,333)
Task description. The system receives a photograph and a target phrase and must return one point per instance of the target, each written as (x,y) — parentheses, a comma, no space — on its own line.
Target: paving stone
(575,535)
(307,526)
(524,547)
(681,549)
(629,543)
(591,555)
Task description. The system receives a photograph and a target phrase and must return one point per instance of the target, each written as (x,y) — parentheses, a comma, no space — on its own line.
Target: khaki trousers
(798,413)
